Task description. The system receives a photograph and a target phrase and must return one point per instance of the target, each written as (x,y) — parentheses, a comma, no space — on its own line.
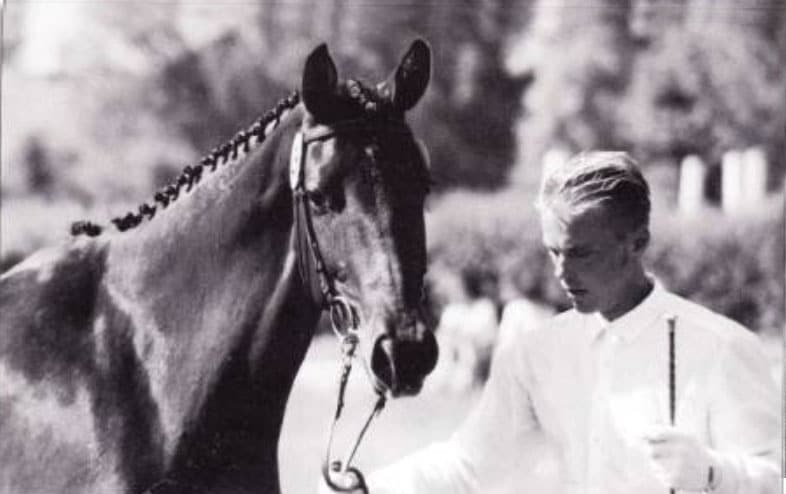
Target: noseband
(321,285)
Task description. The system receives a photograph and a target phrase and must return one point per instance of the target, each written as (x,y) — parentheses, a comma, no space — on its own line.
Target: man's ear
(641,239)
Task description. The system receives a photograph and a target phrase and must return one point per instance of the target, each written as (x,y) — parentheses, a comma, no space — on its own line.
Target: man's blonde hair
(606,179)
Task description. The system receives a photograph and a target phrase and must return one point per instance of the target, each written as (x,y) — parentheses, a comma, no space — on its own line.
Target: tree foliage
(468,114)
(580,60)
(705,91)
(687,77)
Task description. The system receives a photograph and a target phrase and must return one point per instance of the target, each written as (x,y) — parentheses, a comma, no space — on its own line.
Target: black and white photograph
(392,246)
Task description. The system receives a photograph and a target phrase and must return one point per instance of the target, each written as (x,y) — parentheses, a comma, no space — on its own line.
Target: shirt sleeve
(480,450)
(744,420)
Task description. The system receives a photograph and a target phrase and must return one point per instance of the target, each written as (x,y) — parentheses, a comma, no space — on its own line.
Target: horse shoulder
(47,304)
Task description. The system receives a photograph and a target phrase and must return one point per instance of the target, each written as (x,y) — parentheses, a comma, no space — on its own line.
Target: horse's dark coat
(53,343)
(161,359)
(128,418)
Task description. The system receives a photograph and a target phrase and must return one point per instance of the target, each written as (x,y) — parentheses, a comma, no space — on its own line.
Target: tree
(580,57)
(711,84)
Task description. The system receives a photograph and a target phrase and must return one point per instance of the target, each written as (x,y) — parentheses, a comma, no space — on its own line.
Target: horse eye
(319,201)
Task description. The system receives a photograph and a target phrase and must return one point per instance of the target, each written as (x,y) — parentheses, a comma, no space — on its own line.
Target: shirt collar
(629,325)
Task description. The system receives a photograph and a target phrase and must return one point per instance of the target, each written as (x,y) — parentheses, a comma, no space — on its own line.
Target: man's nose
(559,266)
(563,269)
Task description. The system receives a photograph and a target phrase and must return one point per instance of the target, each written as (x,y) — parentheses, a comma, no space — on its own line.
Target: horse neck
(209,283)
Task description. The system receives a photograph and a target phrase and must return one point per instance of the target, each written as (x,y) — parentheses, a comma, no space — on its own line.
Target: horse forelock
(368,101)
(236,148)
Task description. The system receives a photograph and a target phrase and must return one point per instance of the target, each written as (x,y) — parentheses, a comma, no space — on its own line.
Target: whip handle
(672,320)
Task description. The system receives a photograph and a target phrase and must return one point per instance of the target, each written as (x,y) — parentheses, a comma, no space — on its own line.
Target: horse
(156,354)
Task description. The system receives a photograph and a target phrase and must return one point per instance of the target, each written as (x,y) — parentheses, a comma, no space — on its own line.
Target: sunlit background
(105,101)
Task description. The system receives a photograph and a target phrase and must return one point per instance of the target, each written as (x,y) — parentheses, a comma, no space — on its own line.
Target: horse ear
(411,77)
(320,79)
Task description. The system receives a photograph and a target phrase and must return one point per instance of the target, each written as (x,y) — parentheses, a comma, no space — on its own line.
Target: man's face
(595,265)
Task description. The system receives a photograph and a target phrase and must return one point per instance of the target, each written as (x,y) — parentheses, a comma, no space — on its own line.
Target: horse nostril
(421,355)
(402,364)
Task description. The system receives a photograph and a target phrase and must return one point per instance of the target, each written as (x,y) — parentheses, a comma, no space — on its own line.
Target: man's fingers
(668,435)
(663,449)
(658,454)
(663,477)
(657,433)
(664,470)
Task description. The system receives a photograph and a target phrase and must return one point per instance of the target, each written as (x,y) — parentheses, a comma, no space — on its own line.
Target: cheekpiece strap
(296,162)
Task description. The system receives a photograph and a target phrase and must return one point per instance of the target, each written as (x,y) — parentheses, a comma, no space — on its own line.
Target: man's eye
(579,253)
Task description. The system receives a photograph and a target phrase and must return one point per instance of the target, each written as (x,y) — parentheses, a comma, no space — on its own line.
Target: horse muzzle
(400,364)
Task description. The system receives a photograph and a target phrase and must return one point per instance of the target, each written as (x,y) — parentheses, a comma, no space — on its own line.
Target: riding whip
(672,322)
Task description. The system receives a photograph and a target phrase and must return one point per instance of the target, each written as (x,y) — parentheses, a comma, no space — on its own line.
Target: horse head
(361,178)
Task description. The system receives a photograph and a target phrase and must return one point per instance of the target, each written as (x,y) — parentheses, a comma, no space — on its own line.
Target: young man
(596,381)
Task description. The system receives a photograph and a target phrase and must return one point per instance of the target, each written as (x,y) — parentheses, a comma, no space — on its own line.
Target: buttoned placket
(604,346)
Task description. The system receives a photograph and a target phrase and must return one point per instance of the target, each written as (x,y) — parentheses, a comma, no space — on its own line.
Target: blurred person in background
(519,313)
(466,334)
(595,383)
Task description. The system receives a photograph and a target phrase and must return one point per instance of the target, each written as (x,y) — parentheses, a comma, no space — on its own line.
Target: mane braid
(192,174)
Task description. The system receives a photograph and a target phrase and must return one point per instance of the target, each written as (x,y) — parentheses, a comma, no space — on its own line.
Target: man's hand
(679,460)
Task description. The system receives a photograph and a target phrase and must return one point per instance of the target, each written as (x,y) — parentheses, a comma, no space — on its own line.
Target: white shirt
(592,388)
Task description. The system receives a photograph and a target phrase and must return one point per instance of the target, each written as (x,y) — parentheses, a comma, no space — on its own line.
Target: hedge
(733,265)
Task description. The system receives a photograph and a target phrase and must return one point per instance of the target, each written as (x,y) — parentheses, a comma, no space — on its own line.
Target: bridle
(322,288)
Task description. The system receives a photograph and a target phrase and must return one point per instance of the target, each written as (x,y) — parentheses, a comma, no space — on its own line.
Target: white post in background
(732,176)
(743,180)
(754,176)
(690,198)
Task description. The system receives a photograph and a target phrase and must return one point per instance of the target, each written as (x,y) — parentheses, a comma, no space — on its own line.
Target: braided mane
(191,175)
